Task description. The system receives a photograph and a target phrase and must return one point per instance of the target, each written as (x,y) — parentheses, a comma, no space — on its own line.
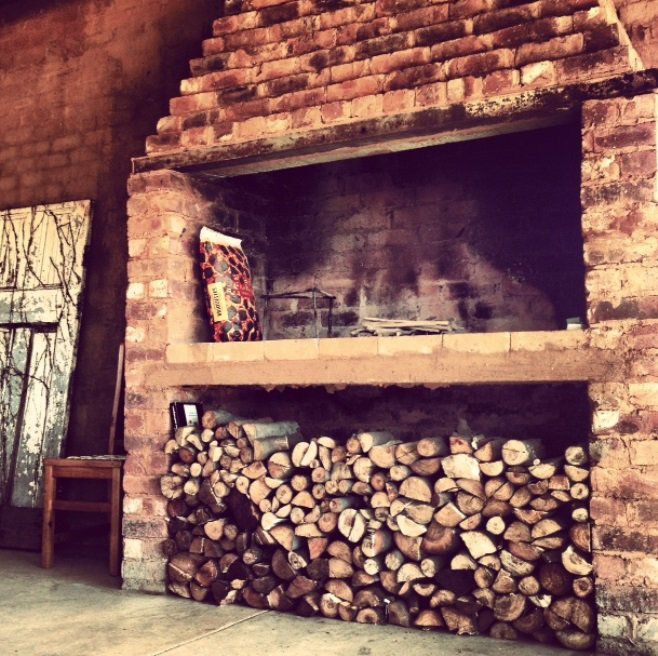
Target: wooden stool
(108,468)
(78,468)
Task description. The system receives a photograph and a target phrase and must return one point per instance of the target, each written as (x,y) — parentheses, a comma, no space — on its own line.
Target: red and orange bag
(229,289)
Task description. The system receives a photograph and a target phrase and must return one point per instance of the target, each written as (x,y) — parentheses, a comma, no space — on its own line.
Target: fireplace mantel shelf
(457,359)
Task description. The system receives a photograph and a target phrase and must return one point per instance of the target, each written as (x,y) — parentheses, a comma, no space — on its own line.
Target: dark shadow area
(486,232)
(557,414)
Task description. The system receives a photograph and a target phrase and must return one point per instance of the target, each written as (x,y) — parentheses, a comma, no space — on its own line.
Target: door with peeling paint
(41,277)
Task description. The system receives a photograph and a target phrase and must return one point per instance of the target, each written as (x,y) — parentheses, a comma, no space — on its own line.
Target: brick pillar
(620,222)
(165,213)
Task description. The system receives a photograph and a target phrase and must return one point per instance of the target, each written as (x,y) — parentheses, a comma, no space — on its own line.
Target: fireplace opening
(485,232)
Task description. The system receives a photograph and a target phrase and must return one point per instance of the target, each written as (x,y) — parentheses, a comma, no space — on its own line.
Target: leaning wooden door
(41,277)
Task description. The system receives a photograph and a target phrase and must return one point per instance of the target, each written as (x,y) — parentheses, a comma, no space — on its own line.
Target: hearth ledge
(434,361)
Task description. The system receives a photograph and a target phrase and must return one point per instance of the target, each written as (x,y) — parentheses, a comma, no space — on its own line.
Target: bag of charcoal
(229,289)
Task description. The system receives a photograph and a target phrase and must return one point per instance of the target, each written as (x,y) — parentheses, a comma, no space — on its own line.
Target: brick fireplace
(489,161)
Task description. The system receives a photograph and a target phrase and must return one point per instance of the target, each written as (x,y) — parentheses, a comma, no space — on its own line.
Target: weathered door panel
(41,278)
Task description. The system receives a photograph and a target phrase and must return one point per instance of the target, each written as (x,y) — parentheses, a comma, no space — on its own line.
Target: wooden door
(41,277)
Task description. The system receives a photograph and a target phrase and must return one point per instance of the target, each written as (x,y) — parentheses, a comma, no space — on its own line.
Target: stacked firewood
(473,534)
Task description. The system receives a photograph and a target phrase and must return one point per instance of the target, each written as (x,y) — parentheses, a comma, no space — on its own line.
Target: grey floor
(76,609)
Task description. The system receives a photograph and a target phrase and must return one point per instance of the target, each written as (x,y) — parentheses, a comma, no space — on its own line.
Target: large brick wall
(82,85)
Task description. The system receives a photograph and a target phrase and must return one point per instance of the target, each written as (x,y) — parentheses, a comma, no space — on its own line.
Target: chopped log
(417,488)
(340,589)
(463,561)
(575,612)
(546,527)
(545,469)
(515,566)
(576,474)
(284,534)
(576,455)
(578,491)
(449,516)
(409,527)
(458,622)
(328,522)
(182,567)
(525,551)
(554,579)
(300,586)
(580,514)
(478,543)
(426,466)
(509,607)
(219,590)
(469,504)
(471,523)
(406,453)
(528,515)
(438,540)
(460,444)
(351,524)
(361,579)
(329,605)
(484,577)
(574,563)
(303,499)
(430,447)
(489,451)
(363,469)
(383,455)
(443,597)
(341,550)
(409,572)
(461,466)
(545,503)
(428,619)
(308,605)
(504,583)
(398,613)
(445,485)
(317,546)
(583,586)
(376,542)
(399,472)
(521,497)
(340,569)
(493,468)
(374,438)
(371,616)
(430,566)
(411,547)
(496,508)
(521,452)
(531,622)
(518,476)
(496,525)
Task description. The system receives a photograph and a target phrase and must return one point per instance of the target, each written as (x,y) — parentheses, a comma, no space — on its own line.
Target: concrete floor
(76,609)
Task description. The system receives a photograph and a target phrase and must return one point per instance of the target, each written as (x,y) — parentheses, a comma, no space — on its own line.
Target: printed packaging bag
(229,290)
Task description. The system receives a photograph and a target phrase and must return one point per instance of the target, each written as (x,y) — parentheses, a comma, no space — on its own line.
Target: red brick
(467,8)
(353,88)
(399,60)
(416,18)
(431,94)
(505,18)
(398,101)
(479,64)
(335,111)
(500,82)
(467,45)
(563,46)
(441,33)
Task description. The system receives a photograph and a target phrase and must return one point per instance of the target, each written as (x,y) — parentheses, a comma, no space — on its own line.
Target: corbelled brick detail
(283,67)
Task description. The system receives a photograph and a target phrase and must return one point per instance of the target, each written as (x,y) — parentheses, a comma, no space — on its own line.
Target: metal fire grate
(313,294)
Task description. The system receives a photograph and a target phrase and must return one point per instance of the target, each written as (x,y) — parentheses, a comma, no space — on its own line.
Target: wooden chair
(107,468)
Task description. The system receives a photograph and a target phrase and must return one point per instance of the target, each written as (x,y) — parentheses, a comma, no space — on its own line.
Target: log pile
(471,534)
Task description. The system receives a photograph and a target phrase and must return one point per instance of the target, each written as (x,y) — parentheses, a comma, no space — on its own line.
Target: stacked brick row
(620,216)
(281,67)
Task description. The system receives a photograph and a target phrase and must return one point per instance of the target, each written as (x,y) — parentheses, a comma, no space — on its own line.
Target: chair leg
(115,522)
(48,530)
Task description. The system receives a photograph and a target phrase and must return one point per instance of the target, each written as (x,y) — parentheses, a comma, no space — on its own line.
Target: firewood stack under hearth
(472,534)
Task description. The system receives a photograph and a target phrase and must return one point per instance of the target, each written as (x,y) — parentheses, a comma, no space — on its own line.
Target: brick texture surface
(89,80)
(620,214)
(274,60)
